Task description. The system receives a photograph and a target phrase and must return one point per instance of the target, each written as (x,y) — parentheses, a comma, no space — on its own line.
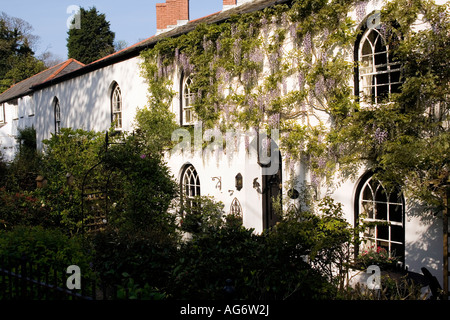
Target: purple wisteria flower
(293,31)
(361,10)
(256,55)
(274,120)
(315,179)
(237,52)
(319,89)
(307,44)
(380,135)
(322,162)
(301,80)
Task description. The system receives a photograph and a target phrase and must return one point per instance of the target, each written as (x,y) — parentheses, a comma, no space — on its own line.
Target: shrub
(143,188)
(212,257)
(143,257)
(266,266)
(23,208)
(48,248)
(21,172)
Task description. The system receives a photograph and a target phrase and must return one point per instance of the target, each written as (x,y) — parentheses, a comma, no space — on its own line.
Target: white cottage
(110,90)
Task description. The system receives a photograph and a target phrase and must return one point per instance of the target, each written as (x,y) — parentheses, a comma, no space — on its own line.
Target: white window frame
(188,116)
(190,185)
(375,77)
(57,115)
(236,208)
(379,232)
(116,107)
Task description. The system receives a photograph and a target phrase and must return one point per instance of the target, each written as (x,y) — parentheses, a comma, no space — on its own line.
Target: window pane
(380,194)
(380,211)
(383,244)
(395,213)
(395,77)
(380,59)
(367,209)
(383,232)
(376,61)
(397,233)
(397,250)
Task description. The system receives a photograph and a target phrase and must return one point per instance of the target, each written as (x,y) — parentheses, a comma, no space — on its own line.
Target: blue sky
(131,20)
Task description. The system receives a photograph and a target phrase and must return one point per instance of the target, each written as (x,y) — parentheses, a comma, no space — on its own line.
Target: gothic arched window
(190,185)
(235,208)
(378,71)
(381,213)
(187,111)
(116,107)
(57,115)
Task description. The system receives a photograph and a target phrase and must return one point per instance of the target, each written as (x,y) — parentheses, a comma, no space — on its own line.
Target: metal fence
(24,280)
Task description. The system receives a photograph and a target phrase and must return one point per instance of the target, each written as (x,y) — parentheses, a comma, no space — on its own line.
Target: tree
(17,60)
(93,40)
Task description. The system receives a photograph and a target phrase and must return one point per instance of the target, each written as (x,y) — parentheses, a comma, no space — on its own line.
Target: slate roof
(24,87)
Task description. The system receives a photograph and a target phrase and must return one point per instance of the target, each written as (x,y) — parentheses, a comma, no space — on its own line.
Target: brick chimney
(170,14)
(228,4)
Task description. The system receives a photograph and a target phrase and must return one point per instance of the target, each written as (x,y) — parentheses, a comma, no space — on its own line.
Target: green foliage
(407,140)
(133,291)
(203,215)
(48,248)
(144,188)
(23,209)
(392,288)
(146,258)
(70,153)
(273,265)
(21,173)
(17,60)
(94,40)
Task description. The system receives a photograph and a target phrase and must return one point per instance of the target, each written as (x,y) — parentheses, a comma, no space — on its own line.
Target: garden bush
(23,208)
(50,249)
(271,265)
(143,188)
(21,172)
(121,258)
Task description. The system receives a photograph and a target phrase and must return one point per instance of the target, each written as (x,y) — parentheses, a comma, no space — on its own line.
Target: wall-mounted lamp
(238,181)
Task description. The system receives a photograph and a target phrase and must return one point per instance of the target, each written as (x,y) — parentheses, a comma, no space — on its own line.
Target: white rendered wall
(85,101)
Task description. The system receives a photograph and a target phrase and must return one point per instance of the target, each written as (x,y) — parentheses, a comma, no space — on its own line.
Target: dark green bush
(19,175)
(23,208)
(47,248)
(145,258)
(271,265)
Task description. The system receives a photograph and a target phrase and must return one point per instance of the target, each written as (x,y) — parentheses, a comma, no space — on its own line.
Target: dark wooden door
(272,188)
